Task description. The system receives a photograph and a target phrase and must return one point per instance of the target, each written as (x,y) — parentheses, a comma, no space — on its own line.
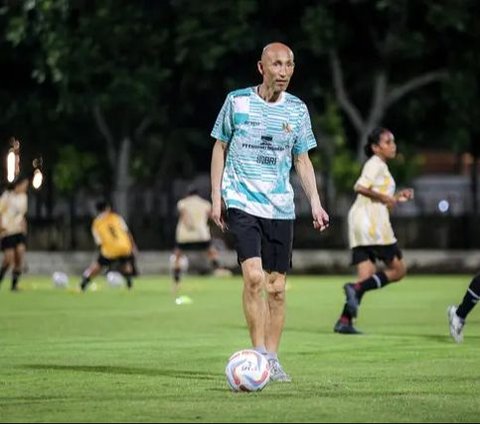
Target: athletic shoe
(456,324)
(277,373)
(345,328)
(352,299)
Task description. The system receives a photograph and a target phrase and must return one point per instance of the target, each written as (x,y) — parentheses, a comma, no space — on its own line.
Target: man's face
(277,67)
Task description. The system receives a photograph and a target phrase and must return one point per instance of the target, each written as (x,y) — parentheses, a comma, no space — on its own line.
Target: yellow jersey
(111,233)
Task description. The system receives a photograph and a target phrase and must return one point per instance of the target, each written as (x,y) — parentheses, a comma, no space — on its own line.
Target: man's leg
(92,271)
(471,298)
(176,271)
(275,320)
(253,301)
(19,254)
(8,261)
(127,272)
(275,317)
(457,316)
(213,257)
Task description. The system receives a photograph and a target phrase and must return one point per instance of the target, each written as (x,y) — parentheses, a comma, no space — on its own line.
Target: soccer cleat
(277,373)
(352,299)
(345,328)
(456,324)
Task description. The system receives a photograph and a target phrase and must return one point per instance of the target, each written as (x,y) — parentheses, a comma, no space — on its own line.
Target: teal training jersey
(261,138)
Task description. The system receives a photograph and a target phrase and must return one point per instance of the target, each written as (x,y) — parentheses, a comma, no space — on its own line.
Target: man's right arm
(217,167)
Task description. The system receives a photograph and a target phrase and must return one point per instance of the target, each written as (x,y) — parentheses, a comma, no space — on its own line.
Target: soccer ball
(60,279)
(247,371)
(115,279)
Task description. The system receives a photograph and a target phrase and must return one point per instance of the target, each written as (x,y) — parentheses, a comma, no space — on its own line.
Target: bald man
(260,131)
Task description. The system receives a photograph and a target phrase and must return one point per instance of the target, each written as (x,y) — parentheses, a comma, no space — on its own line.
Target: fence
(423,232)
(304,262)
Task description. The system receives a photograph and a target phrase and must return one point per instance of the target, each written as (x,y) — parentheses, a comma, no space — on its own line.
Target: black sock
(376,281)
(128,278)
(3,270)
(176,275)
(472,296)
(215,264)
(84,283)
(134,272)
(15,277)
(346,318)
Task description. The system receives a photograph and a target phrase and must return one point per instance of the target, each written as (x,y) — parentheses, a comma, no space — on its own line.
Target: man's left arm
(305,171)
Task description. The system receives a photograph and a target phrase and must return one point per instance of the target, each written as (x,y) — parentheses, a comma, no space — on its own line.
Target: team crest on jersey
(287,127)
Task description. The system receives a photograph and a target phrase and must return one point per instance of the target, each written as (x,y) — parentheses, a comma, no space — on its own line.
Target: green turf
(111,355)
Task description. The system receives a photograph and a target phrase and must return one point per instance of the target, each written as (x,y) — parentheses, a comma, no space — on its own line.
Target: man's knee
(276,287)
(8,257)
(254,278)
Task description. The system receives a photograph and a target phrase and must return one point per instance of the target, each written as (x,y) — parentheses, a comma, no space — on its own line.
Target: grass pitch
(116,356)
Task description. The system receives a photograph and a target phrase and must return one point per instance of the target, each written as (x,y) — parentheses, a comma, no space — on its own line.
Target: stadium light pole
(37,179)
(13,159)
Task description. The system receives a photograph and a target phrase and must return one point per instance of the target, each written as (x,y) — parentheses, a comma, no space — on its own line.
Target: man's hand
(217,215)
(321,220)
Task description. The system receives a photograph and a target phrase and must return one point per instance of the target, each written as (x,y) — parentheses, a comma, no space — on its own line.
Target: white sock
(272,355)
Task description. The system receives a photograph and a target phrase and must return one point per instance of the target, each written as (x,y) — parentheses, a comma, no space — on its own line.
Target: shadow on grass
(108,369)
(443,338)
(432,337)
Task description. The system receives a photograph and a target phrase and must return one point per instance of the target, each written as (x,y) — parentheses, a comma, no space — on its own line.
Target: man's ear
(260,67)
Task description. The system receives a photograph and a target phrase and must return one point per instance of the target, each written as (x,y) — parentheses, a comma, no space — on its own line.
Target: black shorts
(11,242)
(117,261)
(198,245)
(385,253)
(269,239)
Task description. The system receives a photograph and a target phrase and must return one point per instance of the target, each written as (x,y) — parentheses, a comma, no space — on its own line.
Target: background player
(458,315)
(13,228)
(371,236)
(192,234)
(117,246)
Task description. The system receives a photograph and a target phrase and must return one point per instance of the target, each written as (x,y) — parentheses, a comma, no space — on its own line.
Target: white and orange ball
(247,371)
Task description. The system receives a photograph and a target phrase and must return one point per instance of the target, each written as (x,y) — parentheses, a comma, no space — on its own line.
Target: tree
(73,170)
(462,92)
(383,40)
(141,71)
(109,60)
